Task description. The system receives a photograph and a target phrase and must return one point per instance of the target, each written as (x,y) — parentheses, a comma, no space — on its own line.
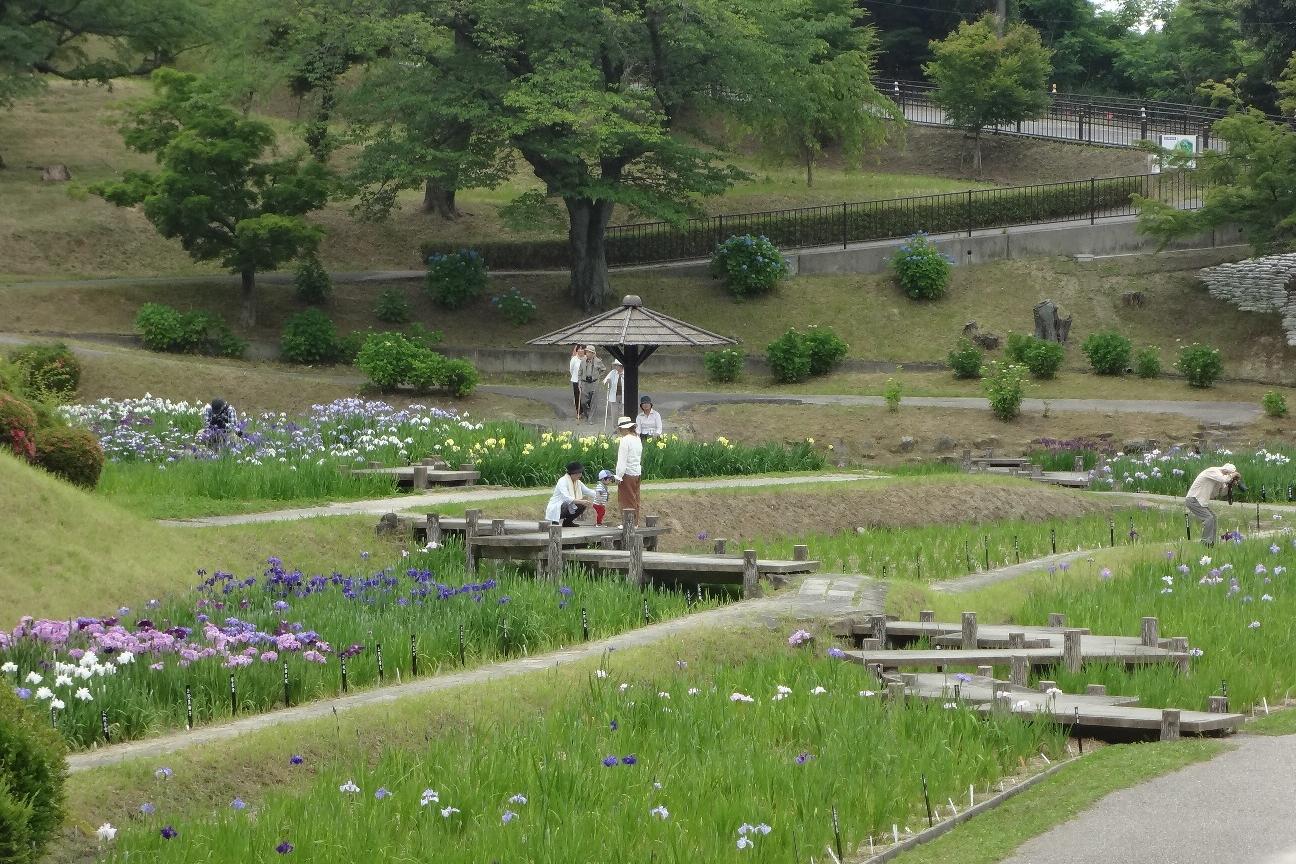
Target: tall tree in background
(826,97)
(983,79)
(1269,27)
(1198,41)
(906,31)
(216,191)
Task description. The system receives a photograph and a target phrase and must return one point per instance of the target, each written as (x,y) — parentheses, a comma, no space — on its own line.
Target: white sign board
(1182,145)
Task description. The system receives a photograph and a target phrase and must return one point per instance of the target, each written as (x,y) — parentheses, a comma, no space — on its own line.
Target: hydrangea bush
(921,270)
(748,265)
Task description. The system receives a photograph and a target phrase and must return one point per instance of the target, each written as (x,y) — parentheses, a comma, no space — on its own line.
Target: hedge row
(823,226)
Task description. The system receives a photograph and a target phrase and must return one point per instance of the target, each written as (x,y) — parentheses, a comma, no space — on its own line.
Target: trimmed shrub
(827,349)
(1147,362)
(72,453)
(516,308)
(32,773)
(1044,359)
(455,279)
(892,393)
(50,370)
(966,359)
(162,328)
(17,424)
(392,306)
(1005,386)
(1274,404)
(789,357)
(309,337)
(391,360)
(1016,346)
(312,283)
(724,366)
(1108,352)
(748,265)
(458,376)
(922,272)
(1202,365)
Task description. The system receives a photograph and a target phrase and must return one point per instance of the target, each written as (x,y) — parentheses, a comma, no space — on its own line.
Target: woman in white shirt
(648,421)
(570,497)
(615,392)
(573,371)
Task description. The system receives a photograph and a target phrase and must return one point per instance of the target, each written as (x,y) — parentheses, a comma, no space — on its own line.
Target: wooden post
(1149,637)
(468,466)
(1078,465)
(1045,686)
(967,459)
(720,546)
(1016,640)
(1020,670)
(751,575)
(1056,619)
(896,691)
(635,575)
(1217,704)
(497,527)
(1170,724)
(607,543)
(1179,644)
(985,671)
(1096,689)
(543,526)
(969,631)
(433,531)
(420,477)
(470,535)
(1181,661)
(375,465)
(868,644)
(650,542)
(926,616)
(800,552)
(627,528)
(1072,657)
(428,461)
(878,623)
(554,553)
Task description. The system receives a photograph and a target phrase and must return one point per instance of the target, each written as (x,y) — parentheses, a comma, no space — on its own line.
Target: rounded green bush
(455,279)
(32,773)
(724,366)
(392,306)
(387,359)
(1202,365)
(921,270)
(789,357)
(749,265)
(72,453)
(1044,359)
(312,283)
(1274,404)
(162,328)
(17,425)
(827,349)
(1005,387)
(966,359)
(49,370)
(1108,352)
(1147,362)
(309,337)
(1016,346)
(517,308)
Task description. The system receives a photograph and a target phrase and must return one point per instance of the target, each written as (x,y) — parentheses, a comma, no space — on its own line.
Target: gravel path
(464,495)
(1233,808)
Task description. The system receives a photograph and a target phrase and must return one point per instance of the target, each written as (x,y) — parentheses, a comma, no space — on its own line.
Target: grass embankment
(50,230)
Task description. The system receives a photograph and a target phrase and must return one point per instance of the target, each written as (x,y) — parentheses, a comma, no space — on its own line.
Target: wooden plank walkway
(423,476)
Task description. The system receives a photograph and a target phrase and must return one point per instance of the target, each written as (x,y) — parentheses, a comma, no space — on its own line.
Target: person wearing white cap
(591,369)
(614,382)
(1209,484)
(629,465)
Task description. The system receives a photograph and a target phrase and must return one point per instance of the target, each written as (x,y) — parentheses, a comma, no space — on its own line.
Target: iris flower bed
(1171,472)
(156,446)
(233,639)
(720,764)
(933,552)
(1235,603)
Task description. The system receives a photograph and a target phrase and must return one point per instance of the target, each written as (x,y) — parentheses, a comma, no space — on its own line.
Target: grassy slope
(45,231)
(71,553)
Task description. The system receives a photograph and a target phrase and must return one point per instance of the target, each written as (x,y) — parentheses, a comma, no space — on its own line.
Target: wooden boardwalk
(429,473)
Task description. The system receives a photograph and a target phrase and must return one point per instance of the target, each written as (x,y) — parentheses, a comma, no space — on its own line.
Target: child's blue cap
(604,474)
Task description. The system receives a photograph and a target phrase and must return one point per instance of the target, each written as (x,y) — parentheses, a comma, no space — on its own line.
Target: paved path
(1205,412)
(464,495)
(821,596)
(1233,808)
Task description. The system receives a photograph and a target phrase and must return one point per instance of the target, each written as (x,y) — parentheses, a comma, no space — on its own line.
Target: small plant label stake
(378,652)
(918,564)
(1079,737)
(413,656)
(287,690)
(585,623)
(927,800)
(462,661)
(1053,539)
(647,617)
(837,841)
(103,724)
(233,695)
(1016,551)
(54,718)
(1188,526)
(188,707)
(1111,531)
(985,546)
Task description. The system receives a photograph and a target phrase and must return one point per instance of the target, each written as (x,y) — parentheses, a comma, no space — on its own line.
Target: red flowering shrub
(71,453)
(17,421)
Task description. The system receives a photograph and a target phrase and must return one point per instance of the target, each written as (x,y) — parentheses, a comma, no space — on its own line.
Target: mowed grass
(50,230)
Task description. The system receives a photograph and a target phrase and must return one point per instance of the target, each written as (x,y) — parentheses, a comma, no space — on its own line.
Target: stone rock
(388,524)
(987,443)
(906,444)
(1133,298)
(986,341)
(1106,436)
(944,444)
(1139,445)
(56,174)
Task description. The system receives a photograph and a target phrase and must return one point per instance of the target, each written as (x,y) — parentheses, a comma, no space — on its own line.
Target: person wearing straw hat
(629,464)
(1210,483)
(614,382)
(570,497)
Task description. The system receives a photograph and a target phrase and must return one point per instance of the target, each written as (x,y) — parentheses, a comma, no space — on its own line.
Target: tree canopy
(983,79)
(216,191)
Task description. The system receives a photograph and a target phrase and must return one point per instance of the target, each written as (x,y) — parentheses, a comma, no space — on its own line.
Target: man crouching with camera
(1208,485)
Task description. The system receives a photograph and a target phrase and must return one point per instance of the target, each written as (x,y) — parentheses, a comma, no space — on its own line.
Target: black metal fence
(948,213)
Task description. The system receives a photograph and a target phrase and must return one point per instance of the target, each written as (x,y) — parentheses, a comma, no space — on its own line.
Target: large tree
(983,79)
(1269,27)
(217,190)
(1251,184)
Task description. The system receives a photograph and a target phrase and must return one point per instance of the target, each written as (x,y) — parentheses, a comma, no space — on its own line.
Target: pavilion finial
(631,300)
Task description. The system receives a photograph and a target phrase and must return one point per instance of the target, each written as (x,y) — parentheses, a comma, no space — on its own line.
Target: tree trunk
(976,153)
(439,200)
(587,240)
(809,162)
(247,313)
